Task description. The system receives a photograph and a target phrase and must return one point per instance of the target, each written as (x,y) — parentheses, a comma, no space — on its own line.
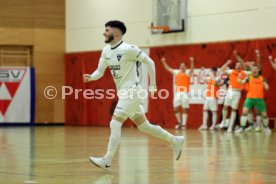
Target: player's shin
(155,131)
(114,140)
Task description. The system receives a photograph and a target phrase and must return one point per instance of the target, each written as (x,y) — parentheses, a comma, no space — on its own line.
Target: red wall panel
(99,111)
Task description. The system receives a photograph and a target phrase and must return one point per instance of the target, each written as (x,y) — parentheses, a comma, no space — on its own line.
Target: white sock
(184,118)
(265,120)
(250,118)
(258,120)
(177,115)
(214,118)
(243,121)
(224,116)
(205,118)
(155,131)
(232,118)
(114,140)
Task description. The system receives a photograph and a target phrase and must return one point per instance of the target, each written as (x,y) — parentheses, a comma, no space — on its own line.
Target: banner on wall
(16,95)
(198,85)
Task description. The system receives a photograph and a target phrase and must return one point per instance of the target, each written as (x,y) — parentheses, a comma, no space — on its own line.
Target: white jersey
(122,61)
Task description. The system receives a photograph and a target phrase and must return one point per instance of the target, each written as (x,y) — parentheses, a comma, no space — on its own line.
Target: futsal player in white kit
(121,59)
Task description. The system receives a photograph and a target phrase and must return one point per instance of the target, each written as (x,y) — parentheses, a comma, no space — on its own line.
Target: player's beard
(109,39)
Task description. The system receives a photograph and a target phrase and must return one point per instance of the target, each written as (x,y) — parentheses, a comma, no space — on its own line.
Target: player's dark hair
(214,69)
(117,24)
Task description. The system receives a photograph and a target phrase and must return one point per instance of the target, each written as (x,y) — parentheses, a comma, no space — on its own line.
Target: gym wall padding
(98,112)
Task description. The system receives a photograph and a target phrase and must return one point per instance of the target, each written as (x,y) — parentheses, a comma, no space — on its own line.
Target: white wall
(208,21)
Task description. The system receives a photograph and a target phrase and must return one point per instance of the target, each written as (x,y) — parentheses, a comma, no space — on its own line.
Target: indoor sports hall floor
(58,155)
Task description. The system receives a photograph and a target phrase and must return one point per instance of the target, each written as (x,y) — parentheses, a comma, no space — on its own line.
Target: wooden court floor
(58,155)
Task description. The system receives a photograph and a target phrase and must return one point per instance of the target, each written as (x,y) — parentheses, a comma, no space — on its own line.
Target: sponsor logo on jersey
(119,56)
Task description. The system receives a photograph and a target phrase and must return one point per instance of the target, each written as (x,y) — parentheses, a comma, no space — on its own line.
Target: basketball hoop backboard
(170,13)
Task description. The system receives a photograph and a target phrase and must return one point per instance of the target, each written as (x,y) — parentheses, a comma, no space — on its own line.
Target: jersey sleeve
(228,72)
(102,65)
(175,72)
(137,54)
(247,72)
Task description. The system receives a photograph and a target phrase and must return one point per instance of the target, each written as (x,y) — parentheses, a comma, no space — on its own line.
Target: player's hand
(163,59)
(191,59)
(239,75)
(270,57)
(228,62)
(257,51)
(235,52)
(86,78)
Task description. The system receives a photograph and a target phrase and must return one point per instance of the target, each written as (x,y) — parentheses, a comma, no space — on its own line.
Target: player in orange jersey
(210,103)
(254,98)
(182,87)
(233,94)
(248,67)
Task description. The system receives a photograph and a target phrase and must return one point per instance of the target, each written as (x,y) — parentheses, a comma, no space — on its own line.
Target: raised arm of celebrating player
(239,59)
(192,66)
(223,68)
(273,63)
(258,56)
(167,67)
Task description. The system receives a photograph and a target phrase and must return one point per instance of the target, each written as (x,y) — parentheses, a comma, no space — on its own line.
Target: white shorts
(181,99)
(232,99)
(210,104)
(129,107)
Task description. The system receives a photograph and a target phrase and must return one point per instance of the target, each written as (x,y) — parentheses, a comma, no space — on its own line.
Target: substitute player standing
(182,87)
(210,102)
(233,94)
(254,98)
(121,59)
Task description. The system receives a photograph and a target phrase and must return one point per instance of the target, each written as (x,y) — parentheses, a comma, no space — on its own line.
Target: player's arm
(166,66)
(239,58)
(250,64)
(223,68)
(258,57)
(138,55)
(98,73)
(273,63)
(242,81)
(192,66)
(218,82)
(266,86)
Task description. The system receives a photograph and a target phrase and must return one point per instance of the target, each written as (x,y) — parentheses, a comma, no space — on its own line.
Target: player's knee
(114,124)
(264,115)
(121,117)
(139,119)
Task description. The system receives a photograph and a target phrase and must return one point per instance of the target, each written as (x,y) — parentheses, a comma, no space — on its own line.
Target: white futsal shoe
(267,131)
(212,128)
(100,162)
(177,146)
(240,130)
(257,129)
(203,127)
(177,126)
